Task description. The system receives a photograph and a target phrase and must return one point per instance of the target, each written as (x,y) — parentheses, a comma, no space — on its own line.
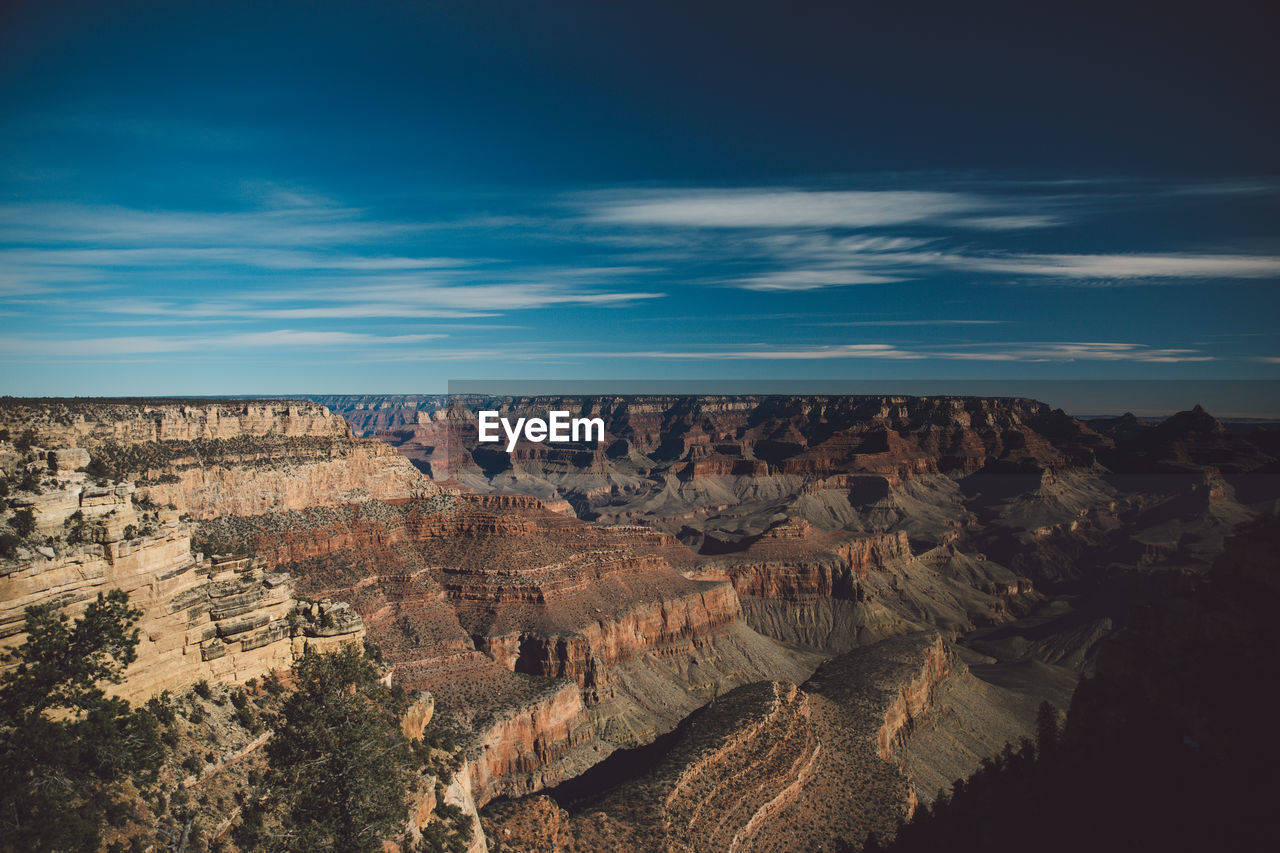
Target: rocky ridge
(222,618)
(774,766)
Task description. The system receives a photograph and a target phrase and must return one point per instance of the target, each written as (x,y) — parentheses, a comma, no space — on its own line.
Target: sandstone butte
(733,546)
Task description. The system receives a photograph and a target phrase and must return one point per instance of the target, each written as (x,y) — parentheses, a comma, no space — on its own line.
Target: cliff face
(220,619)
(216,618)
(835,591)
(485,600)
(772,766)
(1016,481)
(554,641)
(91,424)
(716,436)
(777,532)
(720,471)
(211,459)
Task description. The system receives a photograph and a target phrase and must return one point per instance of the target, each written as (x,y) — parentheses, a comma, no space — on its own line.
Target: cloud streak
(789,208)
(996,352)
(1077,270)
(143,345)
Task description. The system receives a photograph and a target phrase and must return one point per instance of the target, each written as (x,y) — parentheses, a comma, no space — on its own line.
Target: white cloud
(1011,222)
(887,351)
(137,345)
(1075,351)
(789,208)
(123,227)
(1004,352)
(811,279)
(1073,269)
(248,256)
(1134,266)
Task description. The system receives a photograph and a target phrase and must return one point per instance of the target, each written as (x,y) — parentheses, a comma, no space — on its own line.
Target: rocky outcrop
(93,423)
(555,642)
(212,459)
(204,617)
(835,591)
(216,618)
(704,446)
(771,766)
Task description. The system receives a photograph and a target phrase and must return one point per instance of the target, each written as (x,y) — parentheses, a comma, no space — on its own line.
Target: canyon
(736,623)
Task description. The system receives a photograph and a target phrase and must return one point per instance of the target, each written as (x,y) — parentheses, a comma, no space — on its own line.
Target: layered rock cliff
(555,641)
(776,767)
(222,619)
(204,616)
(220,458)
(1044,494)
(760,536)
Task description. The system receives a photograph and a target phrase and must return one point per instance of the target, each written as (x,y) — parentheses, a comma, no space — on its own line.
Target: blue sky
(310,198)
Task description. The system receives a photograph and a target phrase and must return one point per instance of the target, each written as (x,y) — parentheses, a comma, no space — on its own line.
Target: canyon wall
(211,617)
(771,766)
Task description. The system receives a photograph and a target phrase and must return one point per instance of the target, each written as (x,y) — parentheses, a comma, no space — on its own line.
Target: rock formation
(212,617)
(737,623)
(776,767)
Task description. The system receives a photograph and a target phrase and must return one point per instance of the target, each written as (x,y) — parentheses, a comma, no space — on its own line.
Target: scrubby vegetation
(158,461)
(83,771)
(339,768)
(69,754)
(23,522)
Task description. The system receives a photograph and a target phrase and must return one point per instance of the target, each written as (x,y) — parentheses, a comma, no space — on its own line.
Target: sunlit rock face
(221,618)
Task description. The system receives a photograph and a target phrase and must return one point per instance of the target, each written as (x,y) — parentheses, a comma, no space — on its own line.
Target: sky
(247,198)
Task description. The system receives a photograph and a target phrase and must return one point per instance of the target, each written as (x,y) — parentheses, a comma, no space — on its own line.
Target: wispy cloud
(378,297)
(295,271)
(1077,270)
(813,279)
(246,256)
(1074,351)
(798,237)
(301,257)
(1135,266)
(1002,352)
(124,227)
(790,208)
(140,345)
(767,353)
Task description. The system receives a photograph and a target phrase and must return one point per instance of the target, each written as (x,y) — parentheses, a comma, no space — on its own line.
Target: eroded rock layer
(1052,498)
(776,767)
(556,641)
(75,463)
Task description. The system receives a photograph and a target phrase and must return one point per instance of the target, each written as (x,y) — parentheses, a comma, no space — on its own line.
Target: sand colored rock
(223,620)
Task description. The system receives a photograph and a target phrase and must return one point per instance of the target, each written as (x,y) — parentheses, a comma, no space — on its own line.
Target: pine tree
(339,766)
(1048,730)
(65,746)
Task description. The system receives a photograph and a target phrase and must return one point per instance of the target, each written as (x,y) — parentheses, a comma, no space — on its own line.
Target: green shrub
(24,522)
(30,481)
